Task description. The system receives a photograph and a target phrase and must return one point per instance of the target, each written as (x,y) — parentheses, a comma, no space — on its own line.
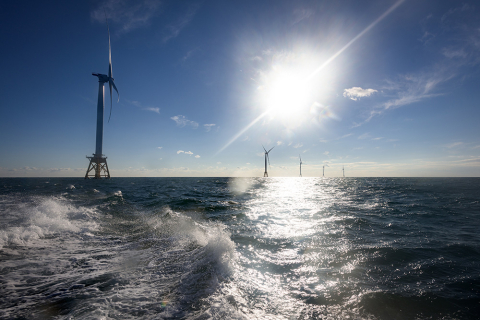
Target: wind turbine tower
(324,171)
(300,165)
(343,169)
(265,174)
(98,167)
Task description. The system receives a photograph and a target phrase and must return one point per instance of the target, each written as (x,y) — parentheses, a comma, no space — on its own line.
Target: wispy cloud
(129,14)
(456,36)
(298,145)
(139,105)
(189,54)
(364,136)
(174,29)
(411,88)
(182,121)
(356,93)
(301,14)
(454,145)
(197,156)
(344,136)
(159,147)
(279,143)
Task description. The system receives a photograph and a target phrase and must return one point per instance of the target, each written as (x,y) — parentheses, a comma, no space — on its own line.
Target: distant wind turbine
(300,165)
(265,174)
(325,165)
(98,163)
(343,169)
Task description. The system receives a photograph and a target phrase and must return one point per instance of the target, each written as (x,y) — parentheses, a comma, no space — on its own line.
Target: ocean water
(244,248)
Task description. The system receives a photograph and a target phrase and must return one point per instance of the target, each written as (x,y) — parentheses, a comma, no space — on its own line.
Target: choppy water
(257,248)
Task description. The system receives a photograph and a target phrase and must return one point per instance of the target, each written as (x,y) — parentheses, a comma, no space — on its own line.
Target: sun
(287,93)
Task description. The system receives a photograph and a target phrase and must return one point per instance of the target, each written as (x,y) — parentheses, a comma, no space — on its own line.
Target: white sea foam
(36,218)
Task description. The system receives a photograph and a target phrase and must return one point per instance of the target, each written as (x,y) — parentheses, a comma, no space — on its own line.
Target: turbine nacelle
(101,77)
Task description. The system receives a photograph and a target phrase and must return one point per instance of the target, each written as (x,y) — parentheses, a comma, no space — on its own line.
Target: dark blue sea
(240,248)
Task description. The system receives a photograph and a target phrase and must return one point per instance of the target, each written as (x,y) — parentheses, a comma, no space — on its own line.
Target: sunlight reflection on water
(298,254)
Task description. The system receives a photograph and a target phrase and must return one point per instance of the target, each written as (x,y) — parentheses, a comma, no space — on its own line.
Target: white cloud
(185,152)
(356,92)
(197,156)
(159,147)
(182,121)
(156,110)
(298,145)
(279,143)
(209,127)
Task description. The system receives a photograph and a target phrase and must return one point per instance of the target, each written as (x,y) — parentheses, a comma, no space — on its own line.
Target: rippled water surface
(244,248)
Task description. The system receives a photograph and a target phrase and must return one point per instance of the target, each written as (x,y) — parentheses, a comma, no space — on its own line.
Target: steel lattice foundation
(97,168)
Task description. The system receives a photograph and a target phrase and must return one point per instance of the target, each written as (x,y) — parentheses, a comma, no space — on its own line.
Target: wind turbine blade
(264,149)
(111,103)
(271,149)
(110,81)
(109,47)
(268,158)
(110,84)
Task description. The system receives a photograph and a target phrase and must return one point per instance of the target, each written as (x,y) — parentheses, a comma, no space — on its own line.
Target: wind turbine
(98,167)
(300,165)
(324,171)
(343,169)
(265,174)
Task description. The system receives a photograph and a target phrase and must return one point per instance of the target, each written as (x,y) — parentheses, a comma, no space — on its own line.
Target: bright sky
(381,88)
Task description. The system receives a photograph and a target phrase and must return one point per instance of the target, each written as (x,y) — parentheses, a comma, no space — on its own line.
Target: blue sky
(382,88)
